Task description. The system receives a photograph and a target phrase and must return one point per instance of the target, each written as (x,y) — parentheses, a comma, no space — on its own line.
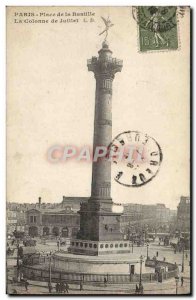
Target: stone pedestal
(98,222)
(104,264)
(99,248)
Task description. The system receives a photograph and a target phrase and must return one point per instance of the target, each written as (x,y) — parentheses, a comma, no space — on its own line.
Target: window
(81,244)
(111,245)
(125,245)
(76,244)
(86,245)
(116,245)
(72,243)
(121,245)
(95,246)
(90,245)
(101,246)
(33,219)
(106,246)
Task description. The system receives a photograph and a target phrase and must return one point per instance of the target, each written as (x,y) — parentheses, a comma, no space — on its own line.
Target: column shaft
(101,172)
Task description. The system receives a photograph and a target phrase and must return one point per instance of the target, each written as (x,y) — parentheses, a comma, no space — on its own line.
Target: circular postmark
(157,27)
(155,18)
(142,157)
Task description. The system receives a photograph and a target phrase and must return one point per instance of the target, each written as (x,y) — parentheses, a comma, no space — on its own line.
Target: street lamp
(140,282)
(183,259)
(58,243)
(50,268)
(17,261)
(147,250)
(177,280)
(132,243)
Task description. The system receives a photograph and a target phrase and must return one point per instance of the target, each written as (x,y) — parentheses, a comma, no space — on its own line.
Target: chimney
(63,202)
(40,201)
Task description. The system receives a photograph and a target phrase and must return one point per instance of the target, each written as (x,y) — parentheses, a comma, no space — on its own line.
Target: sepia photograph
(98,150)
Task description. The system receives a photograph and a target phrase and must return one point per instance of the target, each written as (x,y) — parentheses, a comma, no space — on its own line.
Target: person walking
(57,287)
(63,287)
(157,254)
(186,255)
(26,285)
(67,288)
(136,289)
(105,281)
(81,285)
(49,287)
(141,289)
(32,275)
(182,281)
(60,287)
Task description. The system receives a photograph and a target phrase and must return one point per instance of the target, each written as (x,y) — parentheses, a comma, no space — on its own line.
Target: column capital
(104,67)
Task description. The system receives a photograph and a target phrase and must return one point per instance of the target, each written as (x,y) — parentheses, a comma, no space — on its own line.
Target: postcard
(98,150)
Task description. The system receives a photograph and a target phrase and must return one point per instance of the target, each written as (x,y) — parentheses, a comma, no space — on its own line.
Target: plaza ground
(166,287)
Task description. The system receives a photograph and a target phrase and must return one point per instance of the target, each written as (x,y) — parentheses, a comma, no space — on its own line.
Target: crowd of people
(61,287)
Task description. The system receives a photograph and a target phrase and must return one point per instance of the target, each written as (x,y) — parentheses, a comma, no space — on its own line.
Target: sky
(51,97)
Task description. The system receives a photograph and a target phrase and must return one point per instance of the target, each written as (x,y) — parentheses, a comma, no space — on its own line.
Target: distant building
(45,218)
(173,213)
(157,212)
(183,214)
(132,215)
(162,213)
(15,219)
(61,218)
(56,222)
(143,217)
(72,202)
(11,221)
(149,212)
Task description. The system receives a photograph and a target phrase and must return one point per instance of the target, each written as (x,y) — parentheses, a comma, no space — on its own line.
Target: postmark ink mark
(144,162)
(157,27)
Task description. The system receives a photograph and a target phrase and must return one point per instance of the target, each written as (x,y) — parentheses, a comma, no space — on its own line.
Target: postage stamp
(157,28)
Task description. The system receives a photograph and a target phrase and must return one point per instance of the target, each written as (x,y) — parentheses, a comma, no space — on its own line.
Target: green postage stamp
(157,28)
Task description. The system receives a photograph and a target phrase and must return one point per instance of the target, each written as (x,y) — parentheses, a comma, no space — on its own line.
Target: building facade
(146,218)
(48,216)
(183,214)
(56,222)
(11,221)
